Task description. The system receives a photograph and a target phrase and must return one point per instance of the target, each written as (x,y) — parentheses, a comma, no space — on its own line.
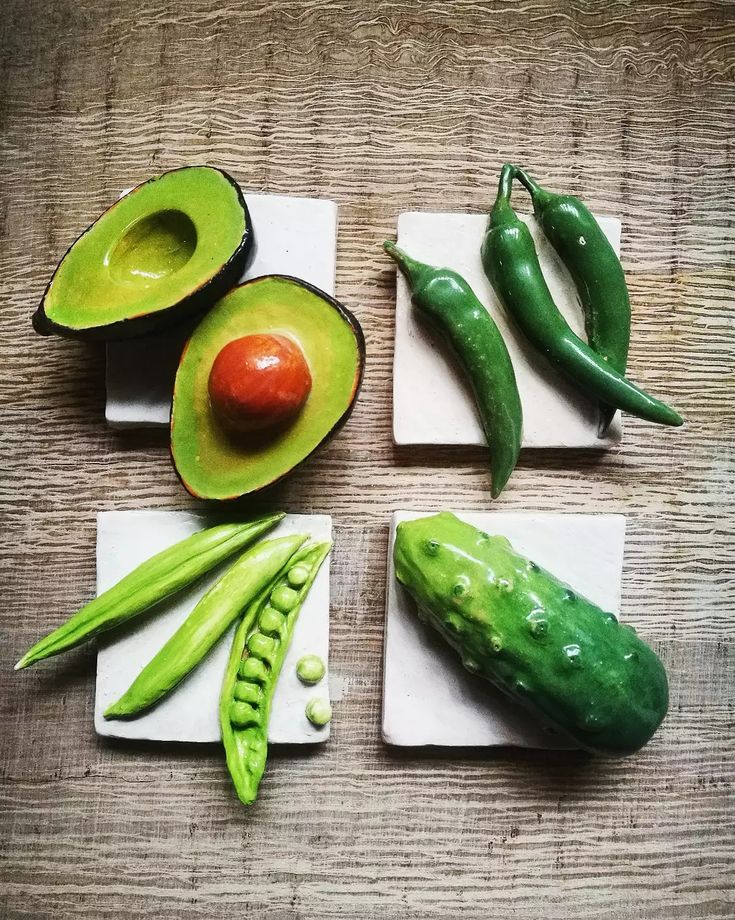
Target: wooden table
(383,107)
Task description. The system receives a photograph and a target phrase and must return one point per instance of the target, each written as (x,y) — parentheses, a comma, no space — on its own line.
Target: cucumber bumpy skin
(255,662)
(571,664)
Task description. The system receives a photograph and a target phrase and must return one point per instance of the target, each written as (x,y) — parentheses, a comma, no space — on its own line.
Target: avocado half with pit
(167,249)
(213,461)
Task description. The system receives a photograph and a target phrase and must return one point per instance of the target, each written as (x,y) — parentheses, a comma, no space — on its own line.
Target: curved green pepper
(155,579)
(574,666)
(207,622)
(511,264)
(450,304)
(254,665)
(598,276)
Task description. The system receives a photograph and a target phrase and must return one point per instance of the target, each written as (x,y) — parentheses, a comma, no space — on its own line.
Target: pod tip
(19,665)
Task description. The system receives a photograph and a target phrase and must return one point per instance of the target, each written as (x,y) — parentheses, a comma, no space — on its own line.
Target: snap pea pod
(207,622)
(254,666)
(511,264)
(598,276)
(450,304)
(155,579)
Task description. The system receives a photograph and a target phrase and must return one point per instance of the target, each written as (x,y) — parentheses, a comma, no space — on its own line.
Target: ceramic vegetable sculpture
(166,250)
(571,664)
(449,303)
(254,665)
(598,276)
(207,622)
(155,579)
(511,264)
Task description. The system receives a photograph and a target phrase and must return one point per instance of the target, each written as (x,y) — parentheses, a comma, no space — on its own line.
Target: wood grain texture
(384,107)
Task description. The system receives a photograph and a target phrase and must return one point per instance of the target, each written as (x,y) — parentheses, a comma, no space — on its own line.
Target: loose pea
(271,621)
(310,669)
(318,711)
(284,598)
(247,692)
(253,669)
(297,576)
(242,715)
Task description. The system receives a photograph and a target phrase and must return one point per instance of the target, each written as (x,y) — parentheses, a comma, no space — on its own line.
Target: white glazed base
(190,712)
(428,697)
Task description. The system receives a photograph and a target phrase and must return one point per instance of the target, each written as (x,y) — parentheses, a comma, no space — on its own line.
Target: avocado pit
(258,383)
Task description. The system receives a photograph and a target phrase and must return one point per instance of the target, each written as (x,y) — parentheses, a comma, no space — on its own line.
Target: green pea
(253,669)
(271,621)
(242,715)
(284,598)
(247,692)
(261,646)
(310,669)
(319,711)
(297,576)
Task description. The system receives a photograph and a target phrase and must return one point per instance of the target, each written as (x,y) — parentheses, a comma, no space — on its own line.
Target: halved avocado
(169,248)
(210,462)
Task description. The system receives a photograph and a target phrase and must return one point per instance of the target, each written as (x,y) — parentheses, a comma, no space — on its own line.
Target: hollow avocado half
(211,463)
(167,249)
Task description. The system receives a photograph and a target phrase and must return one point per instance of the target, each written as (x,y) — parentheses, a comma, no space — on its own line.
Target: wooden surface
(383,107)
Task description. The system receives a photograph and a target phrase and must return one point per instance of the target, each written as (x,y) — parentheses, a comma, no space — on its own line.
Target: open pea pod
(206,624)
(155,579)
(254,665)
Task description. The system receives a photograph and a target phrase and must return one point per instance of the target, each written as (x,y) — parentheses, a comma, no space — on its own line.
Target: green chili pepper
(511,264)
(450,304)
(252,671)
(155,579)
(598,276)
(207,622)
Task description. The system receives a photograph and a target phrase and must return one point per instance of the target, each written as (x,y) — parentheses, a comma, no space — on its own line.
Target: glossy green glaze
(310,669)
(598,276)
(254,665)
(511,264)
(445,299)
(319,711)
(205,625)
(570,663)
(158,577)
(166,250)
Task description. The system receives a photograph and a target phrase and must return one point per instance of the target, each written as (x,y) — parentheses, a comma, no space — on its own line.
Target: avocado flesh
(168,248)
(210,462)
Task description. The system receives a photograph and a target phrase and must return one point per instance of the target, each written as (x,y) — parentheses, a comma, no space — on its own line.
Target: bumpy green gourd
(255,662)
(559,655)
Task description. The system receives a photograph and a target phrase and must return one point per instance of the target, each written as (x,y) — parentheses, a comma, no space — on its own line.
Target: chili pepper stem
(539,197)
(413,270)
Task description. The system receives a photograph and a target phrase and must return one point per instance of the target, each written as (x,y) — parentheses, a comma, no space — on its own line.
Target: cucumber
(574,666)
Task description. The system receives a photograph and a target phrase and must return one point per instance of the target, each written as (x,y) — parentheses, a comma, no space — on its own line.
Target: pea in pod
(598,276)
(205,625)
(254,665)
(155,579)
(451,306)
(511,264)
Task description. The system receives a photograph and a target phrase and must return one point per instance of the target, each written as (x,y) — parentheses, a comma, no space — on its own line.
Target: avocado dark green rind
(574,666)
(197,301)
(350,322)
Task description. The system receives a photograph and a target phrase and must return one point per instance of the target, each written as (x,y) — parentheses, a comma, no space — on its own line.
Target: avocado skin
(571,664)
(356,328)
(198,301)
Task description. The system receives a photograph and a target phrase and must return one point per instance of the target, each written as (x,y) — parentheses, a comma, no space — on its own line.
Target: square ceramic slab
(428,697)
(293,236)
(432,403)
(189,713)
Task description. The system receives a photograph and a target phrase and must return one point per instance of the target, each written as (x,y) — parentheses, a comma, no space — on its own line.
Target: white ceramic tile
(428,697)
(432,403)
(189,713)
(293,236)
